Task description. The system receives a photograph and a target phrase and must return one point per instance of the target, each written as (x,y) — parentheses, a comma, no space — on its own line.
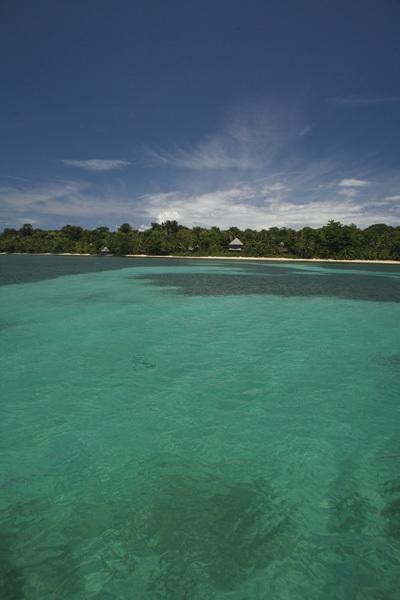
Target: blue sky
(230,113)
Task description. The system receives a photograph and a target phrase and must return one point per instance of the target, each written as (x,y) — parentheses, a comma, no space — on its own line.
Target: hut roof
(105,249)
(236,242)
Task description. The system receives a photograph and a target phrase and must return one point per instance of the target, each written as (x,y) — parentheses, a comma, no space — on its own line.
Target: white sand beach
(272,258)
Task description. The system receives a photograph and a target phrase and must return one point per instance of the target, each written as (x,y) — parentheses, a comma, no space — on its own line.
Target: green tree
(26,229)
(72,232)
(125,228)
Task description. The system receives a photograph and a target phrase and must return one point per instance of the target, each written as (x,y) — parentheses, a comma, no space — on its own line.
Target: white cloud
(243,175)
(275,187)
(233,207)
(392,198)
(353,183)
(262,204)
(348,192)
(96,164)
(40,195)
(71,200)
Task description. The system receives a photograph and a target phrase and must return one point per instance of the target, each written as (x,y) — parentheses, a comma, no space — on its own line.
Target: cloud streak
(353,183)
(393,198)
(250,139)
(96,164)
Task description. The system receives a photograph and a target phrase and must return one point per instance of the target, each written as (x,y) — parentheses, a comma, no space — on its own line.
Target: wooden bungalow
(235,245)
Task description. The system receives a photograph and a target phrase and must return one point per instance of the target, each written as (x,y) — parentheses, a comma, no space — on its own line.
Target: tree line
(333,240)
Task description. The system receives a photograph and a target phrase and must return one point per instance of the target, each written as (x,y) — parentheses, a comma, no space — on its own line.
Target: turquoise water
(188,430)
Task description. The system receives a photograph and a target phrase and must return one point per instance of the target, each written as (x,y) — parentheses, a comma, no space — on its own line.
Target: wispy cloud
(208,155)
(252,172)
(364,100)
(14,178)
(305,130)
(350,188)
(96,164)
(41,196)
(353,183)
(393,198)
(295,202)
(249,139)
(349,192)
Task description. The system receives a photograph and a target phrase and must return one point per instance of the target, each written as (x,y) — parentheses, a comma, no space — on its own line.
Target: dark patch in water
(348,509)
(141,362)
(392,487)
(30,268)
(391,512)
(210,534)
(49,568)
(6,325)
(103,296)
(391,360)
(185,533)
(292,284)
(348,514)
(12,579)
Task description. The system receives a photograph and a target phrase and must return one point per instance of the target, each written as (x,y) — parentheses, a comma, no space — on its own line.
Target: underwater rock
(184,530)
(348,514)
(391,513)
(207,531)
(12,579)
(390,360)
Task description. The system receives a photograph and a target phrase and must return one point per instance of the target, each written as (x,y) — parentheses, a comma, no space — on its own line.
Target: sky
(256,113)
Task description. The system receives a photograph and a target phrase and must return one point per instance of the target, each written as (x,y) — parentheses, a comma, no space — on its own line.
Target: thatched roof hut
(236,245)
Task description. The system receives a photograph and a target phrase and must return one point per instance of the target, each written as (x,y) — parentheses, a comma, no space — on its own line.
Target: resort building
(282,248)
(105,251)
(236,245)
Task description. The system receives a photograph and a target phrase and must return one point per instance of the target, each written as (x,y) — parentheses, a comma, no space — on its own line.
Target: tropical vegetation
(333,240)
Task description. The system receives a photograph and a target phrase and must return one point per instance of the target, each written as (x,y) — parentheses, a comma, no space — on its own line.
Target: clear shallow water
(167,434)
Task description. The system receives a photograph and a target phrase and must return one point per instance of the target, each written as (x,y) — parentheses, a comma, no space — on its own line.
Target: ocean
(187,430)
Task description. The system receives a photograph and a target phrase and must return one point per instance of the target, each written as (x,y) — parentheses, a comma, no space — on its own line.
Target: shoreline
(240,258)
(272,259)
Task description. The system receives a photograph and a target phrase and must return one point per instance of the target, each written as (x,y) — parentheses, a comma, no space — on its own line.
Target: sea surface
(188,430)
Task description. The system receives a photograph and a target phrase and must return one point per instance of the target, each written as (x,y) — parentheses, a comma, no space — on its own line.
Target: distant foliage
(334,240)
